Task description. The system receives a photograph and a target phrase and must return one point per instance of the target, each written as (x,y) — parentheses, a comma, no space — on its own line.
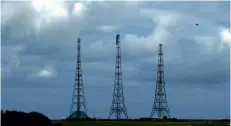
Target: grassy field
(140,123)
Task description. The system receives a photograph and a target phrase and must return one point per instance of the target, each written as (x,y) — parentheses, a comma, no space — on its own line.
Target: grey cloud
(211,10)
(202,71)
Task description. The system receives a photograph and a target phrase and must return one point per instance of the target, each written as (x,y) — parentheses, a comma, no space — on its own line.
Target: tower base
(78,115)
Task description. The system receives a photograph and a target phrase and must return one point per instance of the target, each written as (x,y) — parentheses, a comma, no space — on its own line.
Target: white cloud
(79,9)
(225,35)
(54,8)
(163,21)
(47,72)
(107,28)
(134,2)
(47,12)
(38,15)
(172,27)
(214,42)
(162,17)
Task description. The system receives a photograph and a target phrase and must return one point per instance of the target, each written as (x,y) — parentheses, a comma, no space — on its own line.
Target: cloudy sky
(38,45)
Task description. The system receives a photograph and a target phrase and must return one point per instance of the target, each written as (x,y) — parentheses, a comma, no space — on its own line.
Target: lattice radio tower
(118,106)
(160,105)
(78,106)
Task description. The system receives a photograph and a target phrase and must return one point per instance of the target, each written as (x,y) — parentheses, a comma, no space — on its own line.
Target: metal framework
(160,105)
(118,106)
(78,106)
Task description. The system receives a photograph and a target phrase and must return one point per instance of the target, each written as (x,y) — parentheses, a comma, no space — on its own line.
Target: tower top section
(79,39)
(160,49)
(117,39)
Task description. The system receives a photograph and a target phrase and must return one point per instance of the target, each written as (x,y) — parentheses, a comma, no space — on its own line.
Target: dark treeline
(153,119)
(140,119)
(18,118)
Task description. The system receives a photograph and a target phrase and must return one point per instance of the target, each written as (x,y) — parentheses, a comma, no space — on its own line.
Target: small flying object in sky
(197,24)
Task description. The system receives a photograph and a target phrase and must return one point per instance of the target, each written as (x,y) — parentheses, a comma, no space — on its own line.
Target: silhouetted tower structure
(78,106)
(118,106)
(160,105)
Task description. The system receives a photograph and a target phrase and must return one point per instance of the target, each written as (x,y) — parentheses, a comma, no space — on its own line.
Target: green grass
(140,123)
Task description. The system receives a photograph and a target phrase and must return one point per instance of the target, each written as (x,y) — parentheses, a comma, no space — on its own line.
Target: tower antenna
(78,106)
(160,105)
(118,106)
